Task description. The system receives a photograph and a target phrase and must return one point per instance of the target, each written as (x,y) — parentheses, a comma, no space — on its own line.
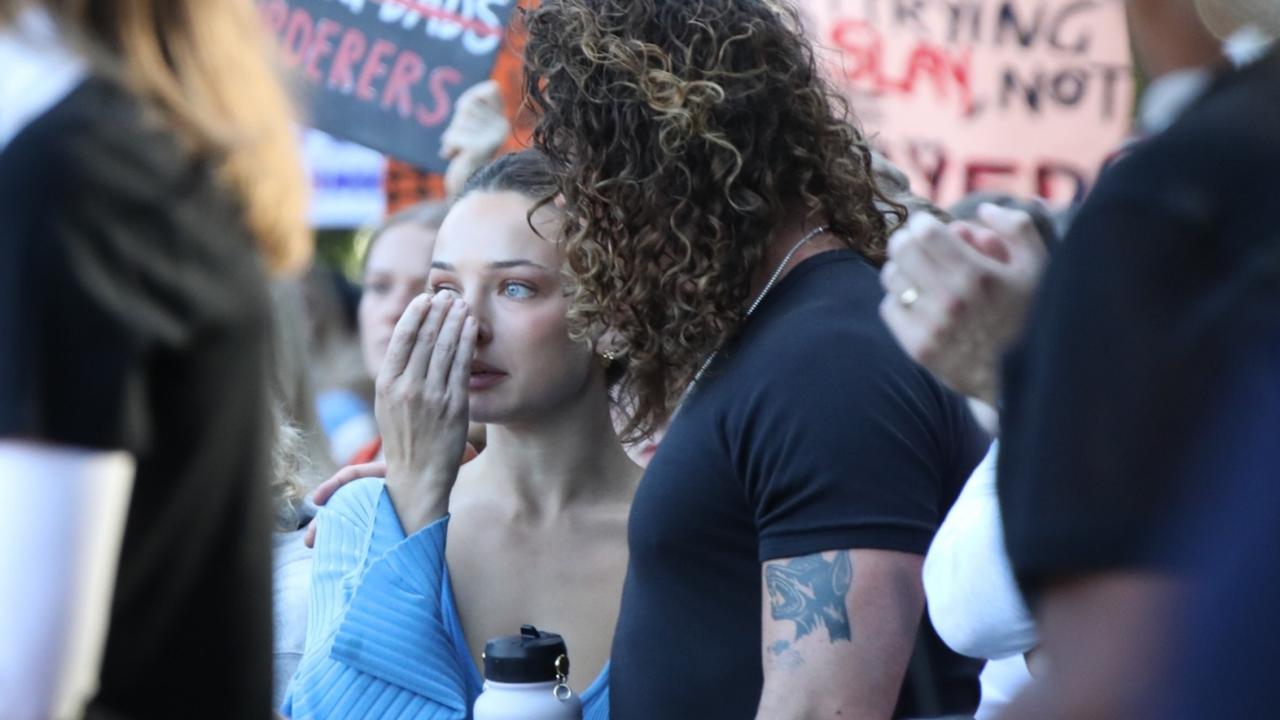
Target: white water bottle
(526,678)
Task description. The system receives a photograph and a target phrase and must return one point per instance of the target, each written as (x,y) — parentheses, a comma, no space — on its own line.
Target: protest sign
(1023,96)
(386,73)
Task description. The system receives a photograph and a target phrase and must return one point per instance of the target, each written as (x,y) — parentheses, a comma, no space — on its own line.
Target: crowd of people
(694,380)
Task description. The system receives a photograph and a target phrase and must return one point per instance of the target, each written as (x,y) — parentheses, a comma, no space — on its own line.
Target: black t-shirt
(1170,269)
(812,432)
(133,315)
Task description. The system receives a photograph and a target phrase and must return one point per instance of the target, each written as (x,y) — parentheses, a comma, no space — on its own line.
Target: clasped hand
(958,294)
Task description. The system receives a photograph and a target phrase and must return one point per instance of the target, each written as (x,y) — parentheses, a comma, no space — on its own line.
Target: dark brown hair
(526,172)
(683,134)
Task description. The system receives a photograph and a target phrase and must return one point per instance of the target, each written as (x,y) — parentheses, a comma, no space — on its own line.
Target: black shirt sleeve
(85,296)
(853,446)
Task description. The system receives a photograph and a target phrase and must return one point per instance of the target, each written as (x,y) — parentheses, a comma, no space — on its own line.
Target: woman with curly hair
(721,219)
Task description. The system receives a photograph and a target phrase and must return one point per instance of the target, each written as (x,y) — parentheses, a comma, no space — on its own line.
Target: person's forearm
(1104,641)
(782,707)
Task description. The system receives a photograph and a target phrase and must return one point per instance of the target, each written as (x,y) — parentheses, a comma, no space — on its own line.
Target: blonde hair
(207,67)
(290,471)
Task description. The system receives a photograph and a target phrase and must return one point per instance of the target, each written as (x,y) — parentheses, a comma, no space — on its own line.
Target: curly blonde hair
(289,468)
(684,134)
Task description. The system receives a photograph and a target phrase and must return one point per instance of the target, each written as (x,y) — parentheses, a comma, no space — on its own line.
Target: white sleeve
(62,517)
(972,597)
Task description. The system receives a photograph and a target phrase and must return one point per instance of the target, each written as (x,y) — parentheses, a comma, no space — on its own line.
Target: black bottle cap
(530,657)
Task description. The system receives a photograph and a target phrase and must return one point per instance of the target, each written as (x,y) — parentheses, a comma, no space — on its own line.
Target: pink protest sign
(1024,96)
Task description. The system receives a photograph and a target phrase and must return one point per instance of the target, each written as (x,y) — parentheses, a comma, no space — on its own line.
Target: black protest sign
(386,73)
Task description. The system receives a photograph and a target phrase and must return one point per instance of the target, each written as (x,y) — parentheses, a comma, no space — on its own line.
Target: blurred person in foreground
(1226,650)
(1163,283)
(708,174)
(148,180)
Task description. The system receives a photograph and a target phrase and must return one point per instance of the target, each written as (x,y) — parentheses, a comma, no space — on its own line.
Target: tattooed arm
(838,630)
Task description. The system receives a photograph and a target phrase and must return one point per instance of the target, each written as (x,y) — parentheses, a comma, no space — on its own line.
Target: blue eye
(447,288)
(517,291)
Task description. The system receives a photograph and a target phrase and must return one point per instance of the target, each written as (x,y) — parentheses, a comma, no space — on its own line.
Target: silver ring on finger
(908,297)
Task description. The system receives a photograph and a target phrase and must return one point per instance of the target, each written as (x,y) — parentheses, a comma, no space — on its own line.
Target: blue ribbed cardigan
(383,636)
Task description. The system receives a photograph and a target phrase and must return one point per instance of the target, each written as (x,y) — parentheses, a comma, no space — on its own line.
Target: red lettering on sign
(1051,177)
(375,66)
(321,47)
(865,57)
(297,36)
(373,70)
(1057,181)
(409,69)
(350,50)
(440,78)
(977,170)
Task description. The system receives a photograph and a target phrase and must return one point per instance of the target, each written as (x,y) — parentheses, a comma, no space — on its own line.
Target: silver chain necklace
(773,279)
